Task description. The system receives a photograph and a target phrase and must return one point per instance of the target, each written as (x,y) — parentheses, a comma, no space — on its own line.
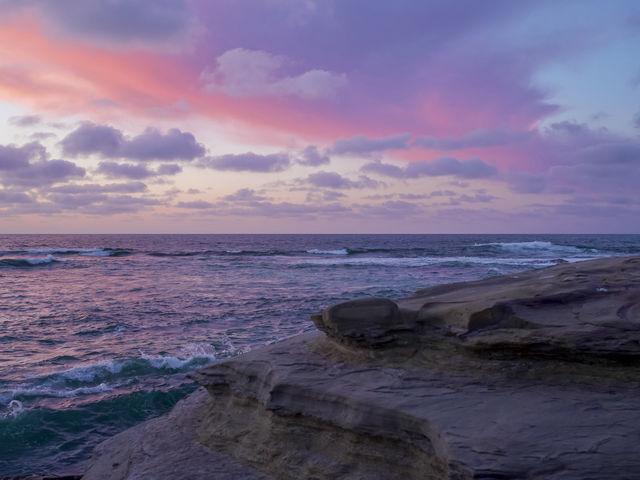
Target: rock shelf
(528,376)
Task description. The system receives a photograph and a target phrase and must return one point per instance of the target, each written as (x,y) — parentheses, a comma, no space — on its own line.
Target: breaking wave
(106,375)
(429,261)
(342,251)
(28,262)
(536,247)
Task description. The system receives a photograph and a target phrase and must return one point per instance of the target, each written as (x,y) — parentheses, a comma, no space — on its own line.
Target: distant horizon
(311,116)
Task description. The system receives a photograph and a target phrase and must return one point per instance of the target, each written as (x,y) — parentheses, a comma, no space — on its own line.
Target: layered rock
(533,375)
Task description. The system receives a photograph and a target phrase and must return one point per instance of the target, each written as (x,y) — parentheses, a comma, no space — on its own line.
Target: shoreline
(535,375)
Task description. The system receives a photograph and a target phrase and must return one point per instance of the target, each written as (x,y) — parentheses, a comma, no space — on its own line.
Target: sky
(319,116)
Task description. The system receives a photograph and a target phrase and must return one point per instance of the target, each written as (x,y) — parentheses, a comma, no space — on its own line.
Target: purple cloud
(479,197)
(404,60)
(393,209)
(29,166)
(605,167)
(153,145)
(288,210)
(335,180)
(135,172)
(110,142)
(124,170)
(169,169)
(579,159)
(442,193)
(524,182)
(385,169)
(248,162)
(46,172)
(119,204)
(195,205)
(476,138)
(359,144)
(75,201)
(38,136)
(42,173)
(90,138)
(247,73)
(244,195)
(114,22)
(312,157)
(636,120)
(12,197)
(129,187)
(25,120)
(469,168)
(12,158)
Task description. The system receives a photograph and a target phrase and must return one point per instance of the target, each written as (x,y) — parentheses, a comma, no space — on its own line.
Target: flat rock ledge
(528,376)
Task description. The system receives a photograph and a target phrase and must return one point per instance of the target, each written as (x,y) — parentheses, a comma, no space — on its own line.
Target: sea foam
(342,251)
(536,246)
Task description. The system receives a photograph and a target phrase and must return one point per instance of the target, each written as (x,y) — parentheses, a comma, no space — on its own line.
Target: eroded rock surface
(528,376)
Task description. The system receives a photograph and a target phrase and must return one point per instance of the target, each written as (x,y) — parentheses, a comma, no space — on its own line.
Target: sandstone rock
(366,321)
(166,448)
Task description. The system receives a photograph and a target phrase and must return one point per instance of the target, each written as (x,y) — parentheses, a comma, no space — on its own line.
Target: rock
(528,376)
(367,321)
(166,448)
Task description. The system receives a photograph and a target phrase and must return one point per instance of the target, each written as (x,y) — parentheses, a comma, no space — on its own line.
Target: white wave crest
(23,391)
(89,373)
(40,261)
(192,353)
(95,252)
(14,409)
(60,393)
(342,251)
(535,246)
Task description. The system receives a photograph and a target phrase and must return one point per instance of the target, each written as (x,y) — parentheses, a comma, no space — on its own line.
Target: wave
(90,252)
(251,253)
(118,252)
(258,253)
(45,439)
(342,251)
(193,355)
(536,246)
(431,261)
(106,375)
(14,409)
(87,252)
(28,262)
(58,393)
(179,254)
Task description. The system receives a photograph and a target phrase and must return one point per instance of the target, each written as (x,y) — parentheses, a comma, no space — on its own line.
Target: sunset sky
(319,116)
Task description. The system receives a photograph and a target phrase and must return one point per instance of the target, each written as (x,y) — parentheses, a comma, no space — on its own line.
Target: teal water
(97,332)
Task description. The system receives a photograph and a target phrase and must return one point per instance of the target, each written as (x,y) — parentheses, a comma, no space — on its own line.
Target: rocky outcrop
(528,376)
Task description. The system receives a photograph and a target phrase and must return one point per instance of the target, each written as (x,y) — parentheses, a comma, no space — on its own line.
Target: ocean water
(97,332)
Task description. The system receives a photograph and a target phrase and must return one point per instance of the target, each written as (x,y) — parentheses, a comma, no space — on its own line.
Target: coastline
(530,375)
(499,383)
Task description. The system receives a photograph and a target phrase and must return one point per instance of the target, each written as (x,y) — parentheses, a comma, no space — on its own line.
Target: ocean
(97,332)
